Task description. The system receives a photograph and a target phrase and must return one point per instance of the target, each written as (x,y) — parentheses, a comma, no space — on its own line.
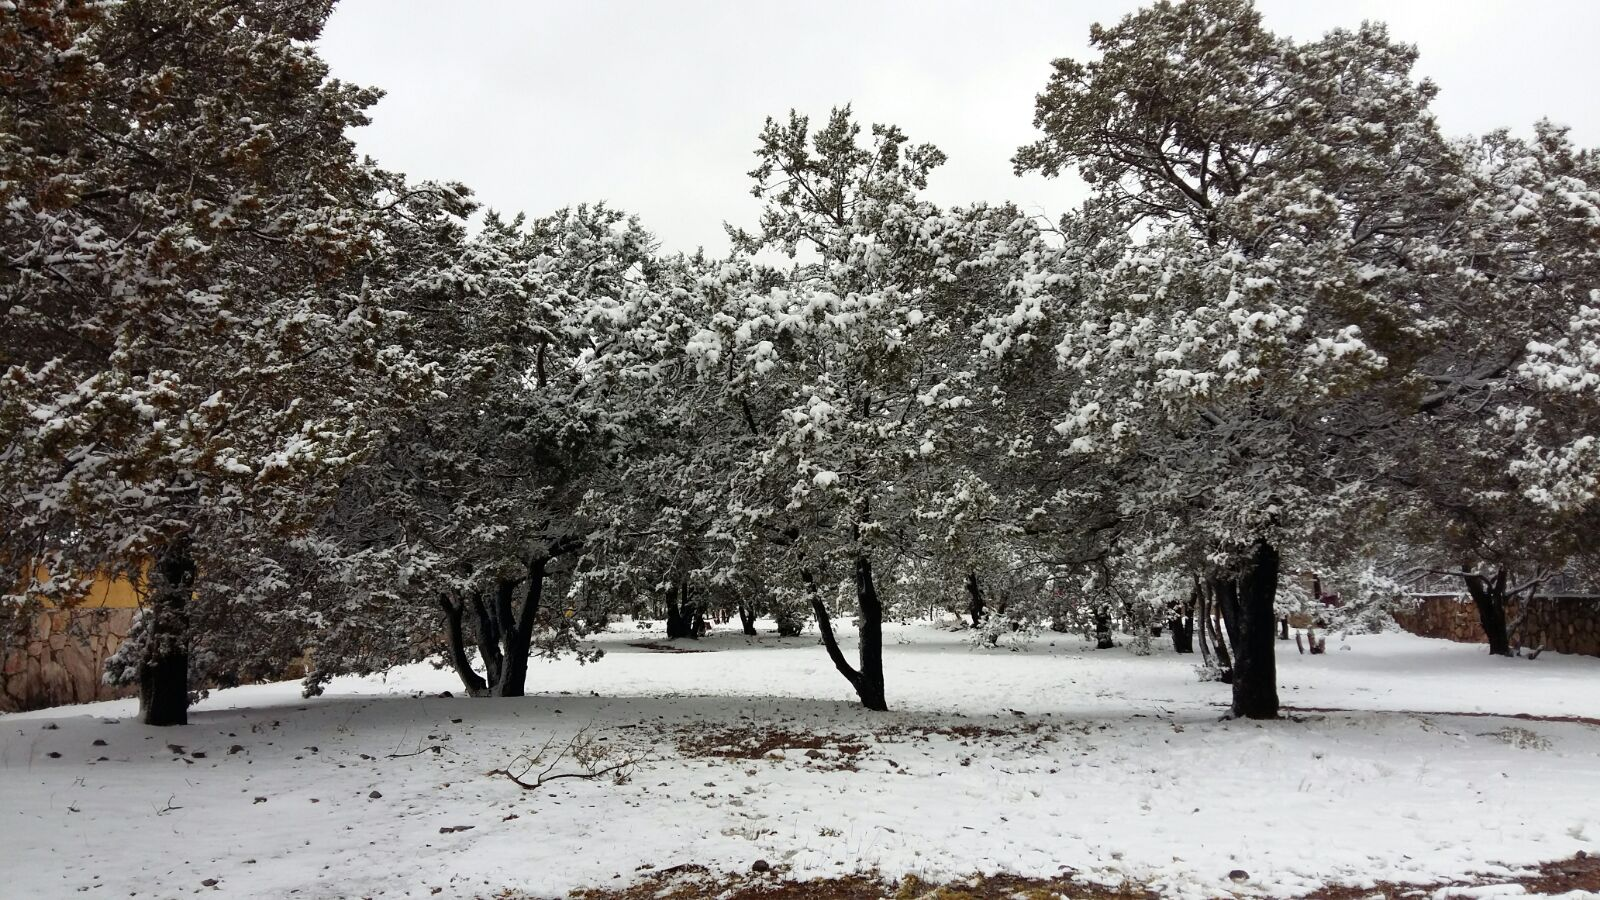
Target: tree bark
(868,680)
(747,618)
(488,639)
(517,631)
(974,600)
(1215,591)
(164,670)
(1202,612)
(1490,598)
(471,680)
(1102,629)
(871,651)
(1182,625)
(1255,668)
(680,615)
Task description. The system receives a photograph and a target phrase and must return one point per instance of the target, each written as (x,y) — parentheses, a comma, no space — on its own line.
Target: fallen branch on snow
(582,749)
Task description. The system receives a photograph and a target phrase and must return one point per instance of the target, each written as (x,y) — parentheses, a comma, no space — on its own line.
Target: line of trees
(1292,328)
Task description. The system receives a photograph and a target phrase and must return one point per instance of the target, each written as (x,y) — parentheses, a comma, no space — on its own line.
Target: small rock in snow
(761,865)
(99,742)
(1239,875)
(375,795)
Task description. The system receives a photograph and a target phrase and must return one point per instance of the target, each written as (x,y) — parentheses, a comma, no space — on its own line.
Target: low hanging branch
(583,750)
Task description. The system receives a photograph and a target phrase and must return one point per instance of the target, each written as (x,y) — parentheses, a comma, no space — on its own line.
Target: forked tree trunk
(1489,596)
(456,635)
(164,669)
(517,631)
(868,679)
(1255,668)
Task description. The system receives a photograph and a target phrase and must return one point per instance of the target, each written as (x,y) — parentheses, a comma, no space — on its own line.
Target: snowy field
(1034,761)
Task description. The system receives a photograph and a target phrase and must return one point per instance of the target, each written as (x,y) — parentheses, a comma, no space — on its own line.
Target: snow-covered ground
(1026,761)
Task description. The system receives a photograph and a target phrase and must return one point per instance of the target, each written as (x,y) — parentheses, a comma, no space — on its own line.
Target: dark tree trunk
(1490,598)
(1102,629)
(1283,628)
(456,634)
(1213,602)
(1182,628)
(1202,612)
(747,618)
(517,633)
(868,680)
(1182,625)
(164,670)
(790,625)
(974,600)
(488,639)
(680,614)
(871,688)
(1255,668)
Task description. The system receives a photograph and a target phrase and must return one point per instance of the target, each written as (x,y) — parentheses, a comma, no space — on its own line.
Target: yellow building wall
(106,592)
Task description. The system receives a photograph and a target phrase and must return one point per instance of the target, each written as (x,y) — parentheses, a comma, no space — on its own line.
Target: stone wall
(1562,624)
(61,658)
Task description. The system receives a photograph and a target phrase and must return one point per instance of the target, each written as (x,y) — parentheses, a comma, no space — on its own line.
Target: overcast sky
(654,106)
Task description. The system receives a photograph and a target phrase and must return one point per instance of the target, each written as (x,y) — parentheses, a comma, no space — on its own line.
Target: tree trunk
(680,615)
(1490,598)
(1102,629)
(1202,611)
(974,600)
(868,687)
(747,618)
(488,639)
(1182,626)
(164,670)
(1255,668)
(471,680)
(1283,628)
(871,651)
(517,630)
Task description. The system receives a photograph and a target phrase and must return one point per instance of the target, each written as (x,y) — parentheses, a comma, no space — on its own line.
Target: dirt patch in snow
(687,881)
(768,742)
(1579,873)
(1524,717)
(825,748)
(655,647)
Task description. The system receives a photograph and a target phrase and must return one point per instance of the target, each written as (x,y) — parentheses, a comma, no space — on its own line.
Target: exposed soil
(1580,873)
(1526,717)
(655,647)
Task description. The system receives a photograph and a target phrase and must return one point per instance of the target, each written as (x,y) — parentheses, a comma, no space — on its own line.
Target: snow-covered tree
(1261,219)
(189,360)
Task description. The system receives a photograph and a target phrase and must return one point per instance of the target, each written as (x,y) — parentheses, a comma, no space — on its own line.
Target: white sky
(655,106)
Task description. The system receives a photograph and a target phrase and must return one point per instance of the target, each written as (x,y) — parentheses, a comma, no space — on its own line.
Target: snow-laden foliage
(1294,343)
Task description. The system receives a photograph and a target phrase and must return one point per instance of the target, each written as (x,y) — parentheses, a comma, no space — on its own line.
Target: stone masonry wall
(61,659)
(1562,624)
